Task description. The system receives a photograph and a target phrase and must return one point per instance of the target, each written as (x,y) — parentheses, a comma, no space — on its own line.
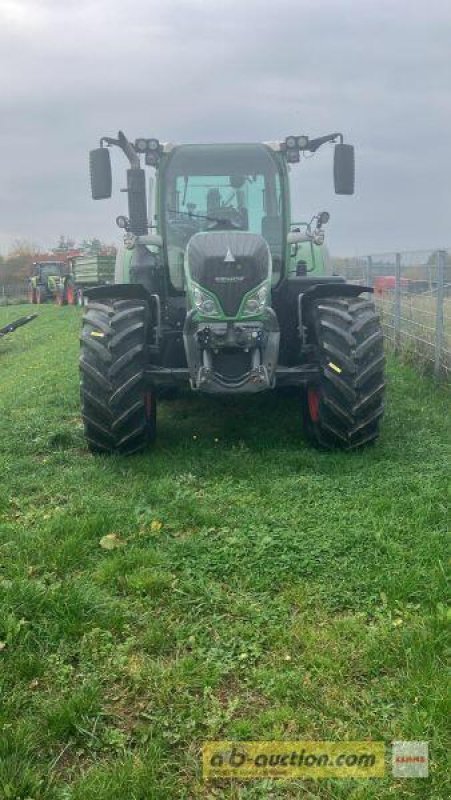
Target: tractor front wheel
(41,295)
(118,409)
(344,407)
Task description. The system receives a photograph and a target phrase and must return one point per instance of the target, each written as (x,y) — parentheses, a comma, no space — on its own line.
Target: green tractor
(46,281)
(217,289)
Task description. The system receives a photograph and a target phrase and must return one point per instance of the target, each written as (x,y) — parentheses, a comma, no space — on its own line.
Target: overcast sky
(230,70)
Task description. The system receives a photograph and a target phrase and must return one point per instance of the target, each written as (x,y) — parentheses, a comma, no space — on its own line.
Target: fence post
(369,271)
(439,312)
(397,314)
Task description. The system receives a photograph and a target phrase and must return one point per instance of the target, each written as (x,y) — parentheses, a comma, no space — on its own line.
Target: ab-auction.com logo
(289,759)
(313,759)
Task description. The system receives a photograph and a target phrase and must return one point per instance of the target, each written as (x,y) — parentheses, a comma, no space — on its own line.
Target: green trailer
(85,273)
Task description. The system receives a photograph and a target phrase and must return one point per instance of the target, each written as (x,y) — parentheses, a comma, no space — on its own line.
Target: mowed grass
(259,589)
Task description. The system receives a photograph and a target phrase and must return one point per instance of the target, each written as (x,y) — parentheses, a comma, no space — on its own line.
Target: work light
(122,222)
(292,149)
(153,144)
(141,145)
(302,142)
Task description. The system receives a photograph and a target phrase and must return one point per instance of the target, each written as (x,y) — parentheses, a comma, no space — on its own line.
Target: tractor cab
(213,188)
(48,269)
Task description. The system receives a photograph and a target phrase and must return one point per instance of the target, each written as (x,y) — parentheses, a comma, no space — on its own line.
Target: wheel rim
(313,399)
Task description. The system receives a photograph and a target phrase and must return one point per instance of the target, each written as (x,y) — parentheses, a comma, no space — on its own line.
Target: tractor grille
(229,265)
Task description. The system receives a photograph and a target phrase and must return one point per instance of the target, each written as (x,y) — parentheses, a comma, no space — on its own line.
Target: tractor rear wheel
(119,412)
(344,408)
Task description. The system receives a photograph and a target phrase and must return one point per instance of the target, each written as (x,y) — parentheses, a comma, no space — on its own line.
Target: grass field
(255,588)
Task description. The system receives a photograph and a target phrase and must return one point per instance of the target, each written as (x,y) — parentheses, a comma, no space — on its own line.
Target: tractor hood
(228,274)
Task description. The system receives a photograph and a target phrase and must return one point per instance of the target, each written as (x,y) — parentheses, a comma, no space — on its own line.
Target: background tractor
(218,289)
(46,281)
(65,282)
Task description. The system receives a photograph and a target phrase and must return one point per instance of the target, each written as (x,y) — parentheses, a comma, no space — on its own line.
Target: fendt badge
(229,278)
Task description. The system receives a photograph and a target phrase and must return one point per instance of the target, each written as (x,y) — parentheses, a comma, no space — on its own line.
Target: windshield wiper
(192,214)
(219,220)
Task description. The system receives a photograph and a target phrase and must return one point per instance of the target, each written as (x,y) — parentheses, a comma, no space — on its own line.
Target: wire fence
(413,293)
(11,294)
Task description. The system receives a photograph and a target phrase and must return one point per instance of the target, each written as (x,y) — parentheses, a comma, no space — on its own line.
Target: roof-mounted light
(292,149)
(151,148)
(153,144)
(141,145)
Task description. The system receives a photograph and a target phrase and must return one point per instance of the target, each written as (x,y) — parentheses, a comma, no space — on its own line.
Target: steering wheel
(232,222)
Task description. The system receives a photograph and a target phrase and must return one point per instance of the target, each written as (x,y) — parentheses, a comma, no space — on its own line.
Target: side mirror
(100,171)
(344,169)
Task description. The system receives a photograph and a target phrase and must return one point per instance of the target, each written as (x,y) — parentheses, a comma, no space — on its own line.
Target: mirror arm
(296,237)
(126,147)
(315,144)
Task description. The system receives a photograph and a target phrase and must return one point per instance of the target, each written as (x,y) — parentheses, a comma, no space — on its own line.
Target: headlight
(205,303)
(255,302)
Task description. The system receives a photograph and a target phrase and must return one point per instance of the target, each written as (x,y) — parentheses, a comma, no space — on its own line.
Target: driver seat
(213,201)
(215,209)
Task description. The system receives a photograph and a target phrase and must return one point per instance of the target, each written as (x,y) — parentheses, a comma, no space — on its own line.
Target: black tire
(119,412)
(344,409)
(41,295)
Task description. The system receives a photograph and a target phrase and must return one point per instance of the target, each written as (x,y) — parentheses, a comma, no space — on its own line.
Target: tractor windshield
(211,187)
(50,268)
